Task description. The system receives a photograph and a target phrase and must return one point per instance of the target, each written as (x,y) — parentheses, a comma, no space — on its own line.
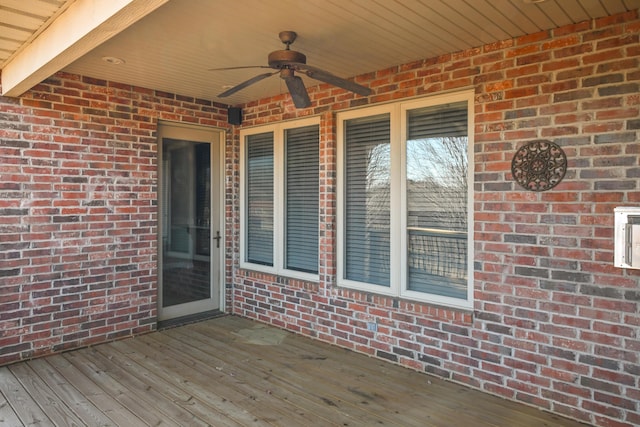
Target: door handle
(218,237)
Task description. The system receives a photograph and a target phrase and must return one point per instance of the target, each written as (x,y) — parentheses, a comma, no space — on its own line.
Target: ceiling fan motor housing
(282,58)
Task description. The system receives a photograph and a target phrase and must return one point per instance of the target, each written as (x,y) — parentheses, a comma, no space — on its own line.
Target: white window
(279,198)
(405,199)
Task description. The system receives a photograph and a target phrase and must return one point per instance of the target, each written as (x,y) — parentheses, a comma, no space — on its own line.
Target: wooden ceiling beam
(83,26)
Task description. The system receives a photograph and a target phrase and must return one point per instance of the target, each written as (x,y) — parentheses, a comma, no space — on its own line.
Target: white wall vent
(627,237)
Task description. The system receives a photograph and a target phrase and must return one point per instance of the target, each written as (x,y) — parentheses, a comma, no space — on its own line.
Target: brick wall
(555,325)
(78,219)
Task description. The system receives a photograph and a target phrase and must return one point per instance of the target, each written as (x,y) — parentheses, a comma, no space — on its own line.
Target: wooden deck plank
(109,406)
(234,407)
(485,408)
(55,409)
(350,386)
(476,406)
(25,407)
(77,402)
(216,373)
(310,355)
(286,378)
(268,385)
(8,417)
(374,382)
(214,412)
(435,395)
(233,387)
(151,398)
(134,404)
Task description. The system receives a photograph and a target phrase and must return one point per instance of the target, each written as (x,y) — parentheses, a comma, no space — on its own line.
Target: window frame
(279,197)
(398,217)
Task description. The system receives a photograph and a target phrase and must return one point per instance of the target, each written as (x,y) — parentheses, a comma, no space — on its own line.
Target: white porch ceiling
(173,48)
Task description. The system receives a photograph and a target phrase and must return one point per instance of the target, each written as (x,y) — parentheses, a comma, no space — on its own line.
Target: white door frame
(216,138)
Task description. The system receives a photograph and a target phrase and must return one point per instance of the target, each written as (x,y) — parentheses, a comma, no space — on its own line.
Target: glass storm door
(189,246)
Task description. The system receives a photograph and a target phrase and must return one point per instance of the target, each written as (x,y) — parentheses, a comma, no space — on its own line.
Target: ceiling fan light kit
(287,62)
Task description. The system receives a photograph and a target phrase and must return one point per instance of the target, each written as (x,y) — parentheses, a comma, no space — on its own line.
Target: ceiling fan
(287,62)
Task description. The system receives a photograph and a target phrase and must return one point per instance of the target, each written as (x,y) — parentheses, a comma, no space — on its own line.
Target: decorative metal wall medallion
(539,165)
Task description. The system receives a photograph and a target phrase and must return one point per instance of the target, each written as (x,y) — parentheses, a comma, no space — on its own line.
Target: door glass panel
(186,222)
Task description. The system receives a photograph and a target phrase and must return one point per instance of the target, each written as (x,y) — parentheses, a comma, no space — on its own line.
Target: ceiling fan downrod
(287,37)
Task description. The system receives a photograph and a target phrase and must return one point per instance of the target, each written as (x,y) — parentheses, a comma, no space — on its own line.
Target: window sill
(410,296)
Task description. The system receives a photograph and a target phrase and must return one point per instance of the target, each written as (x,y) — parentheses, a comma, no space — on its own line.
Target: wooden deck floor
(233,372)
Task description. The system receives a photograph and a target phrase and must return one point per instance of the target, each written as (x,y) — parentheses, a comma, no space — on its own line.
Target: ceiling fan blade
(238,68)
(245,84)
(298,92)
(327,77)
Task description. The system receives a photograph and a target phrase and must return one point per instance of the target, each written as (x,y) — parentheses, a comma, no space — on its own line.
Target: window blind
(438,121)
(302,159)
(259,199)
(367,200)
